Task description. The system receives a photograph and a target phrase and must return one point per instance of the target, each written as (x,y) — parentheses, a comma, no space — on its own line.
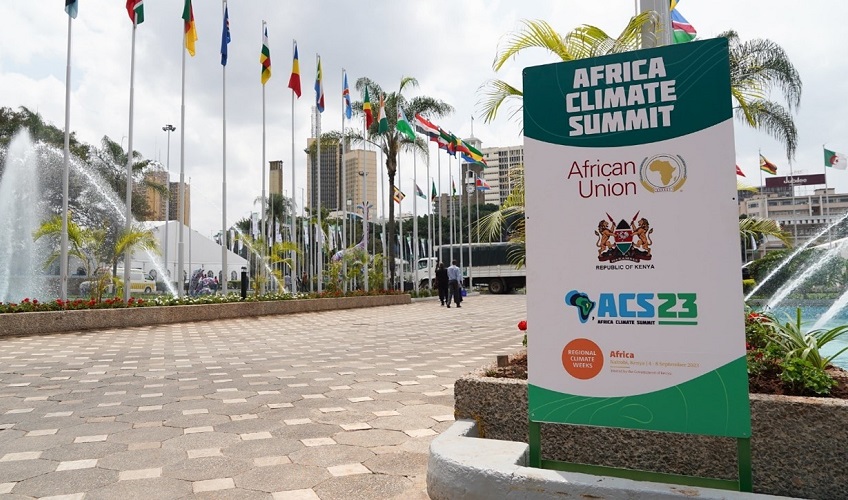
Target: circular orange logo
(582,359)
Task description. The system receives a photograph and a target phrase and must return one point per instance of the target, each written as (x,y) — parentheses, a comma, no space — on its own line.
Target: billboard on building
(789,181)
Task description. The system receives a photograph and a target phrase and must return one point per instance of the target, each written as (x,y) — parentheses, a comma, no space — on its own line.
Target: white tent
(199,252)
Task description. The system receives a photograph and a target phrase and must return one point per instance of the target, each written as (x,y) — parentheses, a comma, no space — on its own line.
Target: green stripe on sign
(678,322)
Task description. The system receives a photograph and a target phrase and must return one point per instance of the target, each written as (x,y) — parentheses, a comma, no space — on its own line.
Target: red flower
(522,325)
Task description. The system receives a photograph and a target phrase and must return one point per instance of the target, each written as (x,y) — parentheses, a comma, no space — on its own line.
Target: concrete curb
(30,323)
(462,465)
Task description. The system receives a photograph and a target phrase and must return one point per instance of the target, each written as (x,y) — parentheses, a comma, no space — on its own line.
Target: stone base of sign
(89,319)
(461,465)
(798,443)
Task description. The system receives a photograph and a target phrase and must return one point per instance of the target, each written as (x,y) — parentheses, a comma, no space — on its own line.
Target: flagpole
(294,187)
(414,265)
(468,216)
(827,200)
(224,269)
(401,240)
(181,198)
(441,207)
(319,247)
(429,225)
(383,238)
(343,201)
(63,263)
(128,217)
(459,212)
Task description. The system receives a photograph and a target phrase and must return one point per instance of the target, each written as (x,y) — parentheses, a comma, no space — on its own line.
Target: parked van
(141,282)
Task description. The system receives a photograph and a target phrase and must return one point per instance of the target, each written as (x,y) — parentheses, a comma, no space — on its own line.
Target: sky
(448,46)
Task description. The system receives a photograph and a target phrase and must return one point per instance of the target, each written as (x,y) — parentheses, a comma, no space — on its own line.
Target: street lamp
(168,128)
(364,175)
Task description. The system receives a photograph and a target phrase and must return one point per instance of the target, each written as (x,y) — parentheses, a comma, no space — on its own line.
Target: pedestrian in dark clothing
(455,283)
(442,282)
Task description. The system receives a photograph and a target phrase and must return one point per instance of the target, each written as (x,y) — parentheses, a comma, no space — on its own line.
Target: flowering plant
(522,325)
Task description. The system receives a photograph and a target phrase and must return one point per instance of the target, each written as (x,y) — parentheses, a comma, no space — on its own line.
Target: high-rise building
(275,179)
(174,203)
(156,200)
(330,168)
(357,162)
(500,161)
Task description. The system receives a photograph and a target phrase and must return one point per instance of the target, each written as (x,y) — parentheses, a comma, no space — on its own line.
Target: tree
(758,67)
(392,141)
(82,242)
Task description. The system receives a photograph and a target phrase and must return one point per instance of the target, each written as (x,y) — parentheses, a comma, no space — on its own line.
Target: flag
(434,194)
(225,35)
(294,79)
(482,185)
(767,166)
(383,121)
(320,237)
(366,108)
(739,171)
(476,155)
(835,160)
(397,195)
(135,8)
(682,31)
(265,56)
(453,187)
(419,192)
(189,27)
(449,141)
(461,146)
(403,125)
(346,96)
(319,88)
(71,7)
(425,127)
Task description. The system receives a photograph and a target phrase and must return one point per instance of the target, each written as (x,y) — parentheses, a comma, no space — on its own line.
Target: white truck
(490,266)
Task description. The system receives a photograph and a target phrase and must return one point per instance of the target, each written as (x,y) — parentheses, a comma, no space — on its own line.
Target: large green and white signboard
(634,299)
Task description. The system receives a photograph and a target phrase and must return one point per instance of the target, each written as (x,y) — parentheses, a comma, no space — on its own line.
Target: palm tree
(757,67)
(83,242)
(392,142)
(130,240)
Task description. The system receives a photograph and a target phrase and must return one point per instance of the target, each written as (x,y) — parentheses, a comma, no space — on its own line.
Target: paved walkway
(334,405)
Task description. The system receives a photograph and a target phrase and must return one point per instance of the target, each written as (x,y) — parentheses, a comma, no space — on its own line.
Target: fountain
(21,213)
(25,203)
(252,249)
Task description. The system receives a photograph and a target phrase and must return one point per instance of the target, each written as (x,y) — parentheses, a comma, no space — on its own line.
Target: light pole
(168,128)
(364,175)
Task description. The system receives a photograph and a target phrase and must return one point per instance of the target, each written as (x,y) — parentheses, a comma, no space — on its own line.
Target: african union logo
(624,241)
(660,173)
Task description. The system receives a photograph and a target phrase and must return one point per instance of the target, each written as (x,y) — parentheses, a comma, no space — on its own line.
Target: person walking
(455,283)
(442,282)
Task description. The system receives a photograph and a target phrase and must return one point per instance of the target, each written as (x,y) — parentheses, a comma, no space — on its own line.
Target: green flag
(835,160)
(434,194)
(403,125)
(382,120)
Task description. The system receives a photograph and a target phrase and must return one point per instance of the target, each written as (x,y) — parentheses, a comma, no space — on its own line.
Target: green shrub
(797,343)
(801,377)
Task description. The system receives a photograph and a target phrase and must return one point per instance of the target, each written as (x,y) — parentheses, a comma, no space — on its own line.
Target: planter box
(798,444)
(71,321)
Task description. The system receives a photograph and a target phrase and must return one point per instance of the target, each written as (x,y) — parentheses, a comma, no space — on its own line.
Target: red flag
(739,171)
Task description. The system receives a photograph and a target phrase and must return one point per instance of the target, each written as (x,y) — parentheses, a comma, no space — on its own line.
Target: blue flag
(225,36)
(346,96)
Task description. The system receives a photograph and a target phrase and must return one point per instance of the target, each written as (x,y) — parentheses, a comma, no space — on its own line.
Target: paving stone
(145,434)
(362,487)
(226,483)
(304,494)
(161,488)
(202,440)
(83,451)
(25,469)
(398,464)
(141,459)
(66,482)
(371,437)
(327,456)
(248,450)
(201,469)
(282,477)
(402,422)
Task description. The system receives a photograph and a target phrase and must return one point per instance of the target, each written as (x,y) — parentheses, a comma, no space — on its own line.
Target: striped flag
(397,195)
(366,108)
(294,79)
(835,160)
(346,96)
(434,194)
(419,192)
(682,30)
(739,171)
(265,56)
(319,88)
(767,166)
(482,185)
(425,127)
(72,7)
(189,27)
(225,35)
(135,8)
(403,125)
(383,121)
